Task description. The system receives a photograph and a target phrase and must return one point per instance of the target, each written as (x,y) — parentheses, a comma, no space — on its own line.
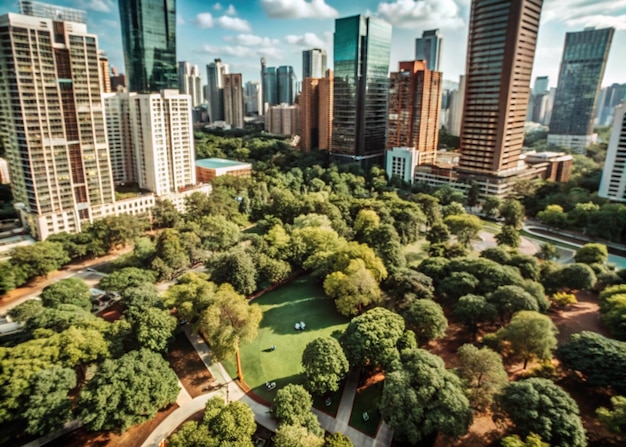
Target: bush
(562,299)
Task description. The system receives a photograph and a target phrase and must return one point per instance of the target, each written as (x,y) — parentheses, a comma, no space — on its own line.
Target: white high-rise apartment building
(314,63)
(151,140)
(613,184)
(190,82)
(53,125)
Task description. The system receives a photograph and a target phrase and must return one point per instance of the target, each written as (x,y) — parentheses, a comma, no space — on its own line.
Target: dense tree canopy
(426,319)
(530,335)
(324,364)
(67,291)
(482,373)
(292,407)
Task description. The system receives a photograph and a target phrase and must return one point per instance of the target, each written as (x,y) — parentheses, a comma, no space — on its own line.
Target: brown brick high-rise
(501,48)
(316,113)
(414,107)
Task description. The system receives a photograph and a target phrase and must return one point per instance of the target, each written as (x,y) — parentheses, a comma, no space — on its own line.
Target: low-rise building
(209,168)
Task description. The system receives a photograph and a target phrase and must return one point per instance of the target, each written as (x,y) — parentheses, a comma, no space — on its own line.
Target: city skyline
(240,32)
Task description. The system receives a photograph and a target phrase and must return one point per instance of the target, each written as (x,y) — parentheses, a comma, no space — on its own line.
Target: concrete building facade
(233,100)
(314,63)
(613,183)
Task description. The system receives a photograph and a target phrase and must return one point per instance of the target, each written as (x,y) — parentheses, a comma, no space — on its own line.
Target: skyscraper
(428,48)
(252,97)
(104,72)
(190,82)
(457,101)
(314,63)
(609,98)
(270,87)
(361,86)
(233,100)
(501,48)
(53,124)
(613,183)
(286,84)
(216,71)
(414,106)
(580,77)
(541,85)
(149,43)
(316,109)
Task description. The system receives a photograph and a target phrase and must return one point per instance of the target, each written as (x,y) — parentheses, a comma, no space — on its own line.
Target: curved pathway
(230,391)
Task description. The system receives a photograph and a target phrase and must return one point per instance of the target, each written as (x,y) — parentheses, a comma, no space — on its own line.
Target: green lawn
(300,300)
(368,400)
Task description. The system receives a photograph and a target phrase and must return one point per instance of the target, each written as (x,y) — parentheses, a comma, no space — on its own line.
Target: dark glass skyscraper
(286,88)
(580,77)
(361,88)
(428,48)
(149,41)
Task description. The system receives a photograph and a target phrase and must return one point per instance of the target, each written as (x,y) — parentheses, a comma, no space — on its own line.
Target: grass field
(300,300)
(367,400)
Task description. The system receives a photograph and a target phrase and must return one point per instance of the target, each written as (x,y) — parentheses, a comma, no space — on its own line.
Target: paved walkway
(231,392)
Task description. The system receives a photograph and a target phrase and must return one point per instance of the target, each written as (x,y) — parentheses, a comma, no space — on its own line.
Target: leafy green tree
(292,406)
(233,425)
(447,195)
(547,252)
(125,278)
(385,241)
(63,317)
(430,207)
(7,278)
(592,254)
(137,385)
(438,234)
(577,277)
(436,268)
(165,214)
(601,360)
(49,406)
(220,233)
(191,296)
(272,270)
(337,440)
(170,256)
(453,209)
(236,268)
(527,265)
(228,320)
(613,311)
(26,310)
(532,440)
(491,207)
(422,398)
(371,339)
(509,236)
(539,406)
(426,319)
(614,419)
(530,335)
(500,255)
(482,373)
(152,327)
(405,285)
(510,299)
(37,259)
(553,216)
(513,213)
(465,227)
(324,364)
(458,284)
(81,346)
(471,310)
(296,436)
(67,291)
(193,434)
(353,289)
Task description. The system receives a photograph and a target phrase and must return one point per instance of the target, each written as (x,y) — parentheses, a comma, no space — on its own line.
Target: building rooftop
(217,163)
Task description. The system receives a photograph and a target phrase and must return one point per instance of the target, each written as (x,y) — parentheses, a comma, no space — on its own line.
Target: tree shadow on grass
(269,395)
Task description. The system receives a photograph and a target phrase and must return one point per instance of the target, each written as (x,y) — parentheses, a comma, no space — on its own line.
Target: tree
(7,278)
(430,207)
(530,335)
(458,284)
(577,277)
(438,234)
(49,406)
(614,419)
(26,310)
(422,398)
(67,291)
(539,406)
(125,278)
(491,207)
(465,227)
(324,364)
(37,259)
(500,255)
(353,289)
(405,285)
(137,385)
(482,373)
(472,310)
(513,213)
(153,328)
(453,209)
(601,360)
(236,268)
(592,254)
(193,434)
(296,436)
(547,252)
(371,338)
(220,233)
(170,256)
(510,299)
(165,214)
(532,440)
(426,319)
(553,216)
(292,406)
(337,440)
(509,236)
(228,320)
(233,424)
(191,297)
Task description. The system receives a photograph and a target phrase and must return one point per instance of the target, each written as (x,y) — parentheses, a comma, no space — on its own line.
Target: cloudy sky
(241,31)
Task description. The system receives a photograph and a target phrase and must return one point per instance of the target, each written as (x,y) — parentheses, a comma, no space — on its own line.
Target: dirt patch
(112,313)
(189,367)
(582,316)
(133,437)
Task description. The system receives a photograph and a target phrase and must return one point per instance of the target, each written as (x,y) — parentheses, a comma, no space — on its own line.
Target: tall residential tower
(613,184)
(428,48)
(361,87)
(580,77)
(149,43)
(314,63)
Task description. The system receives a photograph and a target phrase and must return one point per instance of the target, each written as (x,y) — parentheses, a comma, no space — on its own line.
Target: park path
(230,391)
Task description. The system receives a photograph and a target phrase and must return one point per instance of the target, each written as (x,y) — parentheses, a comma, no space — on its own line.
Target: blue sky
(241,31)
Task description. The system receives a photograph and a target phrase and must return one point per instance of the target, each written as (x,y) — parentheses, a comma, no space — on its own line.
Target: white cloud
(217,7)
(421,13)
(578,10)
(250,40)
(204,20)
(305,40)
(231,11)
(96,5)
(241,51)
(180,20)
(600,21)
(298,9)
(234,23)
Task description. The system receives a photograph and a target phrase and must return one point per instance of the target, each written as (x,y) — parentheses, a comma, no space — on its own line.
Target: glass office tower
(361,88)
(149,42)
